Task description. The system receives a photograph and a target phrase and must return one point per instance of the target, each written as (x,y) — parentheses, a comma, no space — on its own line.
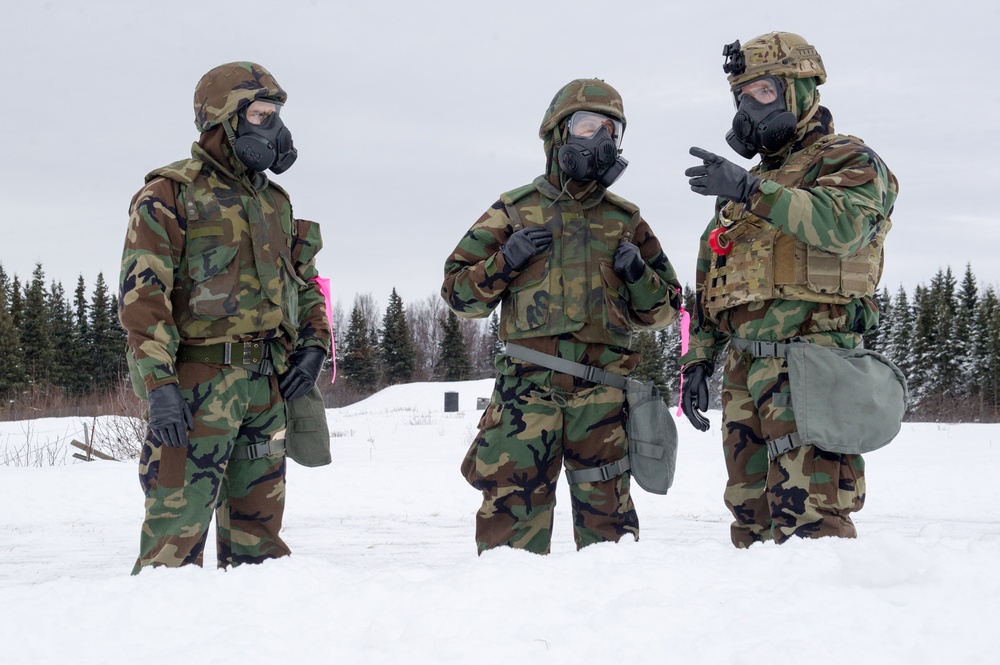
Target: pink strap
(324,287)
(685,336)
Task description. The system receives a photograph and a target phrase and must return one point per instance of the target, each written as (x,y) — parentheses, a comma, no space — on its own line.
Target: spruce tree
(921,346)
(107,338)
(453,358)
(986,353)
(64,357)
(877,339)
(497,345)
(965,322)
(16,302)
(4,287)
(36,340)
(396,349)
(993,365)
(80,340)
(12,378)
(899,335)
(652,365)
(670,341)
(359,362)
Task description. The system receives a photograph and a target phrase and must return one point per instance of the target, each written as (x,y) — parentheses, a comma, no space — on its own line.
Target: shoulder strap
(586,372)
(627,206)
(510,199)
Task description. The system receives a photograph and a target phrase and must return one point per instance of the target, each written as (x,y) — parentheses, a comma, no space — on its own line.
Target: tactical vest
(572,287)
(766,263)
(235,277)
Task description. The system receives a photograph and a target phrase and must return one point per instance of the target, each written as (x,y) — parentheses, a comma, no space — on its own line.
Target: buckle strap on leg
(783,444)
(598,474)
(257,450)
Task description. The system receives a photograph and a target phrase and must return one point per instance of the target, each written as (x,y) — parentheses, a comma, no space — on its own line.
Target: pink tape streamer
(324,287)
(685,335)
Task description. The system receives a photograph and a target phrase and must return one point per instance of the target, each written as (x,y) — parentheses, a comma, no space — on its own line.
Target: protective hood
(578,95)
(224,90)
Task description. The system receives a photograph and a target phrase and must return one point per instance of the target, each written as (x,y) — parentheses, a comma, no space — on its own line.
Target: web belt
(589,373)
(254,355)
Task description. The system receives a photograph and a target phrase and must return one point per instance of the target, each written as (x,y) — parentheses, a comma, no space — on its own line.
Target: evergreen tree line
(946,340)
(52,345)
(945,337)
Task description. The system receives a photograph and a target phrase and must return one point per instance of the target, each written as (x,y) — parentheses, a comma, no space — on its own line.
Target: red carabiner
(719,243)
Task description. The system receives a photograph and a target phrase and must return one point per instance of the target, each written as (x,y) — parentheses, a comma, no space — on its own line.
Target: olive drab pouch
(650,429)
(652,438)
(846,401)
(307,435)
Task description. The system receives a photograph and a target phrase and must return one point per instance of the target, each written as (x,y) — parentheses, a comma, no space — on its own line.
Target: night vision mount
(735,63)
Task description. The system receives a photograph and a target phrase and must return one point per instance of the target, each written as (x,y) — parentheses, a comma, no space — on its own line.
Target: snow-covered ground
(384,568)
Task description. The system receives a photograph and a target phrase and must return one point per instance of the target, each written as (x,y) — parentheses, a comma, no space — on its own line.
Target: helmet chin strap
(801,124)
(240,167)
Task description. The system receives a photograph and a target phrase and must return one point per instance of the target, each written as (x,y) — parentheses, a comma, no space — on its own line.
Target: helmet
(224,90)
(782,54)
(582,95)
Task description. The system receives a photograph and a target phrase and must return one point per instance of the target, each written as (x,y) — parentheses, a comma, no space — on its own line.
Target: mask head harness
(762,74)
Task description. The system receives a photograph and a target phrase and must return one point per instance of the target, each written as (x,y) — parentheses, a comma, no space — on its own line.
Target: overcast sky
(411,118)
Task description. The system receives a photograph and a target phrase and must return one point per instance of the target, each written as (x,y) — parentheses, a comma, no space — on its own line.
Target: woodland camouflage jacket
(209,258)
(571,288)
(837,201)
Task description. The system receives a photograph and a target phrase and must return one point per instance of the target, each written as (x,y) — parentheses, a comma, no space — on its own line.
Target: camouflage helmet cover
(222,91)
(582,95)
(782,54)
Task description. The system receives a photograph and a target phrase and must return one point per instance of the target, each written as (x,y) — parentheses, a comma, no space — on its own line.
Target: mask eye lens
(259,112)
(764,91)
(584,125)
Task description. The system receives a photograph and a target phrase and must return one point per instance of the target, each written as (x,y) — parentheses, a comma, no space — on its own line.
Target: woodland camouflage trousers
(184,486)
(526,435)
(805,492)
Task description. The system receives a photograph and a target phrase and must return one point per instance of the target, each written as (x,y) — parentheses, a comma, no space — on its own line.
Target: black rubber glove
(170,417)
(628,262)
(524,244)
(694,395)
(304,367)
(718,176)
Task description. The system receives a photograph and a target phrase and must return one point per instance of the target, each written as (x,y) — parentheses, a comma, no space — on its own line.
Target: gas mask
(262,140)
(591,151)
(762,123)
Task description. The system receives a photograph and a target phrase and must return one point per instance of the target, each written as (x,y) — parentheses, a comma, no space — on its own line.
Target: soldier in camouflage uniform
(575,270)
(794,250)
(224,322)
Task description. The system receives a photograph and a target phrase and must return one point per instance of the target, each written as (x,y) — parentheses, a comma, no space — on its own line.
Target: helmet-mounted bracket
(735,62)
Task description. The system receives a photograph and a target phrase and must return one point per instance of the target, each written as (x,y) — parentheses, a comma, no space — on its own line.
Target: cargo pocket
(530,295)
(615,301)
(489,422)
(210,250)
